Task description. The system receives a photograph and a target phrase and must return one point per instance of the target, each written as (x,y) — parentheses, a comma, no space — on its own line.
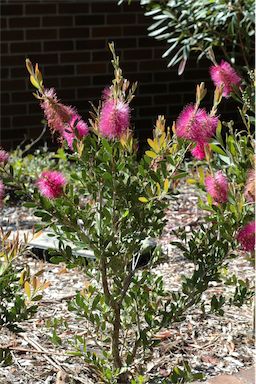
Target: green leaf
(143,199)
(151,154)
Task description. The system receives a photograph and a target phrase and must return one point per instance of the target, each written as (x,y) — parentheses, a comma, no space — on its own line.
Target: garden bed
(211,344)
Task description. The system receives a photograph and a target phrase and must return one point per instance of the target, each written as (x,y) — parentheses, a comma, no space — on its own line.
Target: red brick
(10,35)
(24,22)
(153,88)
(139,54)
(41,34)
(142,100)
(22,96)
(64,45)
(59,70)
(147,42)
(102,80)
(89,19)
(90,44)
(152,65)
(132,7)
(75,57)
(130,66)
(67,95)
(170,98)
(40,9)
(4,73)
(125,42)
(17,109)
(11,9)
(89,93)
(166,76)
(18,134)
(5,122)
(153,111)
(134,30)
(3,23)
(79,32)
(43,58)
(57,21)
(28,120)
(142,19)
(103,55)
(33,108)
(13,85)
(5,98)
(91,68)
(124,19)
(25,47)
(140,77)
(73,81)
(104,8)
(72,8)
(106,31)
(4,48)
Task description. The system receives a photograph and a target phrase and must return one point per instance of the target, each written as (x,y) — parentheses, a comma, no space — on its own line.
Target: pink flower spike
(217,187)
(249,191)
(196,125)
(246,237)
(224,74)
(51,184)
(56,114)
(2,191)
(106,93)
(114,119)
(4,157)
(198,152)
(75,124)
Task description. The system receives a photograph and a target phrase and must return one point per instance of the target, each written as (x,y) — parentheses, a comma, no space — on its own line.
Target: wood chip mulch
(211,344)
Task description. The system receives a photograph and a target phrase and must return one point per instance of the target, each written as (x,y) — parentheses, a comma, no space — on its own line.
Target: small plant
(18,289)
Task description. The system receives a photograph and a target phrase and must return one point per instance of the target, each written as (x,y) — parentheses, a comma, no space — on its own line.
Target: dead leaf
(62,271)
(163,335)
(61,378)
(230,346)
(209,359)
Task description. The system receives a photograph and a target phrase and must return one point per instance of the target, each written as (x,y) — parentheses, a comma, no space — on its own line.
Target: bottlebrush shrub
(112,202)
(118,204)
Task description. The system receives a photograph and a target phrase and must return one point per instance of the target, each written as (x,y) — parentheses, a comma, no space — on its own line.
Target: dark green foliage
(201,26)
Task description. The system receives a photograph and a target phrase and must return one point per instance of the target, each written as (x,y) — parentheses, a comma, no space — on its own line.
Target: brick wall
(69,41)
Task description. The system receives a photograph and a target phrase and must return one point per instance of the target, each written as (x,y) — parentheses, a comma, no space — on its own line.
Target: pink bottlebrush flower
(56,114)
(76,124)
(249,191)
(246,236)
(2,189)
(199,151)
(196,125)
(114,119)
(4,157)
(106,93)
(217,187)
(224,74)
(51,184)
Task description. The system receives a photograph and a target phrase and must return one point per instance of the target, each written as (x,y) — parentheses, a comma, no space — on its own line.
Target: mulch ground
(211,344)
